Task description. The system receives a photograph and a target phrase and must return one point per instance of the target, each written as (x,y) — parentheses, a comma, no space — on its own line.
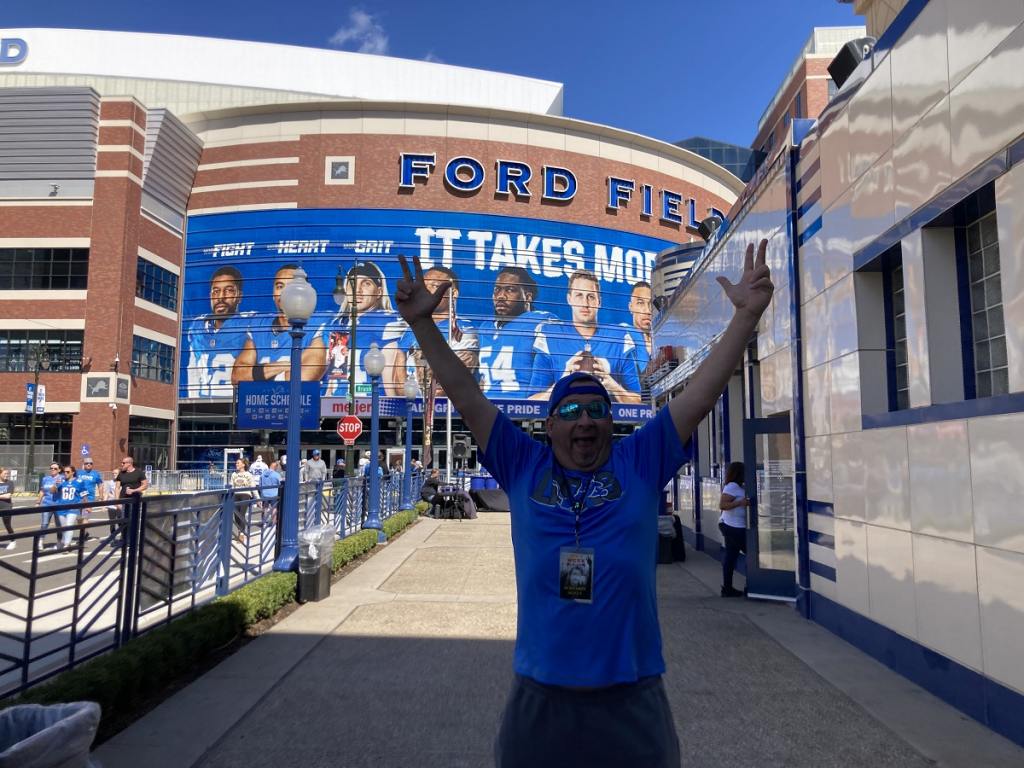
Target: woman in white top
(243,482)
(733,524)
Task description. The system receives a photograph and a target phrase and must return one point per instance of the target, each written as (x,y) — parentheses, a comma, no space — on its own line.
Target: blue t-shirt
(212,353)
(378,327)
(557,343)
(70,491)
(507,353)
(90,479)
(49,485)
(616,638)
(270,482)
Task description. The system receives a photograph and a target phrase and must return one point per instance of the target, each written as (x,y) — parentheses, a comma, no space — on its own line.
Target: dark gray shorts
(625,725)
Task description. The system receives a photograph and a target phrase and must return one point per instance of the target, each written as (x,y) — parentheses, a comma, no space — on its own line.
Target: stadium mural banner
(530,299)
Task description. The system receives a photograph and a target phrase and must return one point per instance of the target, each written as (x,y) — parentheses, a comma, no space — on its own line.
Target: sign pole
(353,463)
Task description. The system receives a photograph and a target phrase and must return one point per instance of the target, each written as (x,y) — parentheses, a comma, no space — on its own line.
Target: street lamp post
(373,363)
(412,391)
(39,359)
(298,301)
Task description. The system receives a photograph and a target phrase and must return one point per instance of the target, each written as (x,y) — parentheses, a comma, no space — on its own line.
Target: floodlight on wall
(849,56)
(708,227)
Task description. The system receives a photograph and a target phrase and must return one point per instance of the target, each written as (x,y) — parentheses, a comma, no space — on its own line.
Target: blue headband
(564,387)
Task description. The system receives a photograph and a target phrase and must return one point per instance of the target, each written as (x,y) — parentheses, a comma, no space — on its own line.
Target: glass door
(771,517)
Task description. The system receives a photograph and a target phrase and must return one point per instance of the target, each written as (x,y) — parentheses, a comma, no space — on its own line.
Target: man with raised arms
(588,664)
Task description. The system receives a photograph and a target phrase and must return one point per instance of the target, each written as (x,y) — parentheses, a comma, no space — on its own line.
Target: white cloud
(433,57)
(362,34)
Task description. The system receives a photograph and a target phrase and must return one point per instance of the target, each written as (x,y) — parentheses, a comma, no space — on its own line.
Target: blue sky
(665,68)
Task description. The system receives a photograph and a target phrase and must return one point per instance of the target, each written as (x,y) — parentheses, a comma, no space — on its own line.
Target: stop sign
(349,428)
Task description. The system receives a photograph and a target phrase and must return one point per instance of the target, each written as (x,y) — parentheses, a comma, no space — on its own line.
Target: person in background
(429,489)
(243,482)
(72,491)
(48,498)
(733,524)
(130,482)
(339,470)
(303,472)
(270,487)
(257,468)
(7,503)
(316,468)
(92,481)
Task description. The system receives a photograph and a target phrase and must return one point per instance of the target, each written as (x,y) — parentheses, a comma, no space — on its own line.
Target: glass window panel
(978,296)
(973,239)
(977,266)
(900,328)
(897,303)
(1000,382)
(982,358)
(997,351)
(989,231)
(983,384)
(993,291)
(901,377)
(991,260)
(903,399)
(995,321)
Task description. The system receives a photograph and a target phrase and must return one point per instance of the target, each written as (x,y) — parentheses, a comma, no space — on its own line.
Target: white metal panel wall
(926,541)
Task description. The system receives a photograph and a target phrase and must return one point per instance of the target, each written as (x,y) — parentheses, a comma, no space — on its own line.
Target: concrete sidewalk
(409,661)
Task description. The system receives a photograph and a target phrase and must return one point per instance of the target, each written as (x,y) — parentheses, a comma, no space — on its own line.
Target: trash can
(55,736)
(491,484)
(477,483)
(666,533)
(316,547)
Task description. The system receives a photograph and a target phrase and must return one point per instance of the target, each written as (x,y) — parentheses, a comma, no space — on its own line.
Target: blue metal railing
(132,565)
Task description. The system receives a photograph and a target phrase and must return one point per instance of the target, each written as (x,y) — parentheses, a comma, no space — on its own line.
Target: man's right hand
(414,300)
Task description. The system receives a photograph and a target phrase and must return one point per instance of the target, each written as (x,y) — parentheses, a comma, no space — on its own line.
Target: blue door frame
(762,582)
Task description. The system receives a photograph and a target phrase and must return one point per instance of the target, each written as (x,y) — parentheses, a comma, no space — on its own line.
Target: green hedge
(400,520)
(124,679)
(422,507)
(353,546)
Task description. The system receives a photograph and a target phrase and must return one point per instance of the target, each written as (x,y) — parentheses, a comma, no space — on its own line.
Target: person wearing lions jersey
(266,354)
(216,339)
(463,338)
(584,345)
(376,323)
(638,343)
(588,661)
(506,342)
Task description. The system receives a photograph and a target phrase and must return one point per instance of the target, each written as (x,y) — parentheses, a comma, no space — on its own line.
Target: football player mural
(529,299)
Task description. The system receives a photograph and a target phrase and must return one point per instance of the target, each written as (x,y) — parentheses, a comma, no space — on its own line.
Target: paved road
(409,661)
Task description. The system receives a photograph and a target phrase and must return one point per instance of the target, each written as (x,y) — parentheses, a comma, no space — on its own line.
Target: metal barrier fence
(83,579)
(186,480)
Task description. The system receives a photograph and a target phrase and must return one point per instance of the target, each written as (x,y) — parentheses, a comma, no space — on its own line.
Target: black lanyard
(579,499)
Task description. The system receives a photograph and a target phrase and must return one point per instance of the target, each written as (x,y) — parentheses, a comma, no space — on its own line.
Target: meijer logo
(13,50)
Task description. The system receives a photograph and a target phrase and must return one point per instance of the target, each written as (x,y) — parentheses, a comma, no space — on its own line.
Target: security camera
(113,406)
